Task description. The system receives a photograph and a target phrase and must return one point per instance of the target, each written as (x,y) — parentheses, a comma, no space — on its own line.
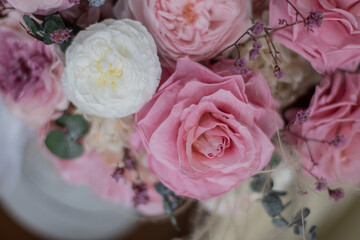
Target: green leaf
(279,222)
(300,215)
(31,23)
(311,235)
(258,182)
(52,23)
(275,160)
(169,211)
(272,204)
(75,124)
(298,229)
(62,146)
(65,45)
(161,189)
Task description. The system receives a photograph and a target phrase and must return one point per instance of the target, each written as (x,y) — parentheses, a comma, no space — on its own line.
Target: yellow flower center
(108,73)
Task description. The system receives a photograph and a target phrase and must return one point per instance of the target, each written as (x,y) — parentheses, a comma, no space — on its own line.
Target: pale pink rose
(206,133)
(41,7)
(94,169)
(30,75)
(336,44)
(199,29)
(335,110)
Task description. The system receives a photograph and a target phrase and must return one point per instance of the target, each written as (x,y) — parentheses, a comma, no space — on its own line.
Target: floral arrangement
(153,102)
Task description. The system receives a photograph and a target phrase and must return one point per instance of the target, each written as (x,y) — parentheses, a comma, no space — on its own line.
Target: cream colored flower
(112,69)
(109,137)
(299,73)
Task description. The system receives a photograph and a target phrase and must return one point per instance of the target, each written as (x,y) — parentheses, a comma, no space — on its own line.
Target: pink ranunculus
(41,7)
(30,75)
(92,170)
(336,44)
(199,29)
(335,111)
(206,133)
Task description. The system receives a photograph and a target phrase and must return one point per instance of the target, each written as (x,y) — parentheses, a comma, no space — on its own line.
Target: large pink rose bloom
(335,110)
(206,133)
(336,44)
(30,75)
(199,29)
(42,7)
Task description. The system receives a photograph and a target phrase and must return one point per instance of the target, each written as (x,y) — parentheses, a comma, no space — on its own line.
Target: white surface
(33,193)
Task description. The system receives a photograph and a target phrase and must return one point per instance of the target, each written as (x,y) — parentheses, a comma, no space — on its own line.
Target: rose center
(211,146)
(188,13)
(108,72)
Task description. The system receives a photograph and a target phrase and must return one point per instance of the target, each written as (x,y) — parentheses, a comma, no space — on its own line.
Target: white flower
(112,69)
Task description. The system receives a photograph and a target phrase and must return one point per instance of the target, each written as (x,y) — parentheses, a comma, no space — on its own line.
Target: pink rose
(30,75)
(335,111)
(93,170)
(41,7)
(199,29)
(336,44)
(206,133)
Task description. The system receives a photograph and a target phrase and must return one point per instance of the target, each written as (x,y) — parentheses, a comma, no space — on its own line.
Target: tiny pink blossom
(61,35)
(336,194)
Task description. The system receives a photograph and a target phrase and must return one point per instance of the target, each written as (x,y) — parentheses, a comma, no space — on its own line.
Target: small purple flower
(118,173)
(254,52)
(129,162)
(258,28)
(314,20)
(302,116)
(336,194)
(337,141)
(241,68)
(321,184)
(60,35)
(278,73)
(141,195)
(303,192)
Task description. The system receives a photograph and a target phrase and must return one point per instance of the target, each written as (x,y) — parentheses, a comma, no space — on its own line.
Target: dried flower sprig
(313,20)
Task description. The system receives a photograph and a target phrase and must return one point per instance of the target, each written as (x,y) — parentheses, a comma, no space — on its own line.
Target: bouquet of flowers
(153,102)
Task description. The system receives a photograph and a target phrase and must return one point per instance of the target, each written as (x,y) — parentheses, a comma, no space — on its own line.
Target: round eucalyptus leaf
(272,204)
(62,146)
(279,222)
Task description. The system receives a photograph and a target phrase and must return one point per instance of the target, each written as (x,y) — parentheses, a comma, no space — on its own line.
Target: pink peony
(206,133)
(335,44)
(95,169)
(199,29)
(41,7)
(30,75)
(334,117)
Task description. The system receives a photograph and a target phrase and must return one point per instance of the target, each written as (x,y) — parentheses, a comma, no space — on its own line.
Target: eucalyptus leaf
(62,146)
(298,229)
(259,181)
(31,23)
(161,189)
(279,222)
(272,204)
(52,23)
(65,45)
(311,235)
(75,124)
(300,215)
(275,160)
